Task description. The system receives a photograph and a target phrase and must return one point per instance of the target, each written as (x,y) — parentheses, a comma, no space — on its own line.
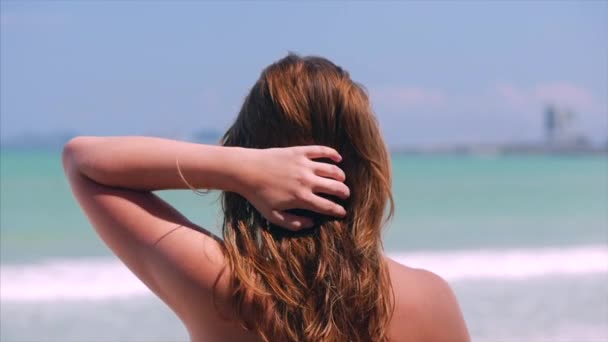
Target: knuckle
(301,178)
(302,160)
(301,194)
(309,179)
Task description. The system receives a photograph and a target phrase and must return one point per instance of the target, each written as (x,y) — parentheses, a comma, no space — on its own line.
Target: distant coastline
(505,149)
(56,141)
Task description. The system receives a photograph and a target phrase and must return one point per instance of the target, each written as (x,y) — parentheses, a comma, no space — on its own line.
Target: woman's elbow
(76,154)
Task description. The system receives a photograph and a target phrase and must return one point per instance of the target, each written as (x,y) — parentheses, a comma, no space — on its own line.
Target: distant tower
(559,125)
(550,124)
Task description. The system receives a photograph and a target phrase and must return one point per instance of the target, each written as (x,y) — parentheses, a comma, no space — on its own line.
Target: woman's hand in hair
(276,180)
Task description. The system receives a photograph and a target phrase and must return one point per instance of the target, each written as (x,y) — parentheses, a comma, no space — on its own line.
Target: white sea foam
(510,263)
(99,279)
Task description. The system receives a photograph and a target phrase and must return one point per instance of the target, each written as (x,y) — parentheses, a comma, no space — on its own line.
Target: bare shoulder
(426,308)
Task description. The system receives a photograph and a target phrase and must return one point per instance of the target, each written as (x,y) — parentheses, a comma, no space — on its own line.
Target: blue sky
(438,72)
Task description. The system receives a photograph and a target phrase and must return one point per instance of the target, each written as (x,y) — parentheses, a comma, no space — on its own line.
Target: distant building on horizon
(559,124)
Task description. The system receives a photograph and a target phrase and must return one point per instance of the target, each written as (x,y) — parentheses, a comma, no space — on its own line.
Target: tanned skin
(113,179)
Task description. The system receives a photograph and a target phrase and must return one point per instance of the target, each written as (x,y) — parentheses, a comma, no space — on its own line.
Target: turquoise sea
(523,240)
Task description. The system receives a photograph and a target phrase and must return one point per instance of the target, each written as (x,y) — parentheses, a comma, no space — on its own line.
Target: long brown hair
(329,283)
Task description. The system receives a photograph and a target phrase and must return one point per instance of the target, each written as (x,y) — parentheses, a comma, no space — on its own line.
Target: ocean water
(523,240)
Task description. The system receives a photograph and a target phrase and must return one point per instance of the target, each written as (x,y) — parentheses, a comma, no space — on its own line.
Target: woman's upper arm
(176,259)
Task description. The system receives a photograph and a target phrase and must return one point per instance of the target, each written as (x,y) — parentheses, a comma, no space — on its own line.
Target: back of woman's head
(328,283)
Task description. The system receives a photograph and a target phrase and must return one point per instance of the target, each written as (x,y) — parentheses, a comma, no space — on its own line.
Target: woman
(305,177)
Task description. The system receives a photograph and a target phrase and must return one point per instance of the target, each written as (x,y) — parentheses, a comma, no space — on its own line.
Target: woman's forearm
(149,163)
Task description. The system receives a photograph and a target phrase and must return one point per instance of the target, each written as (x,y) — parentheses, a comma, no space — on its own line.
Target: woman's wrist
(236,165)
(209,167)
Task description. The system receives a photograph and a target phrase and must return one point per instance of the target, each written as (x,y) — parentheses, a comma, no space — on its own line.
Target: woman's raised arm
(273,180)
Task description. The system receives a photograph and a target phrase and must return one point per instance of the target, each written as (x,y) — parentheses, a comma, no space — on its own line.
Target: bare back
(425,310)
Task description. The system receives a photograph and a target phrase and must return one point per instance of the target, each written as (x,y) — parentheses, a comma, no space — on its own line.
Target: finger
(329,170)
(323,206)
(331,187)
(290,221)
(314,152)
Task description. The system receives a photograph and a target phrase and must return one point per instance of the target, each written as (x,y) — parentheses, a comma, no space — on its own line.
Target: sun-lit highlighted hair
(329,284)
